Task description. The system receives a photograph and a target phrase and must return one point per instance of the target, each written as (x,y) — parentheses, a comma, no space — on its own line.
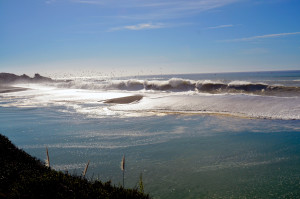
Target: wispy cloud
(261,37)
(156,9)
(220,26)
(95,2)
(135,15)
(50,1)
(143,26)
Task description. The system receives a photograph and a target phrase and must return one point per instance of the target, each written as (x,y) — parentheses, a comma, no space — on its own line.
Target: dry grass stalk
(123,167)
(85,169)
(141,184)
(48,159)
(123,163)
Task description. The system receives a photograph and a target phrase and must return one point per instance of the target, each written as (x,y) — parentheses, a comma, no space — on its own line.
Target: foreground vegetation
(23,176)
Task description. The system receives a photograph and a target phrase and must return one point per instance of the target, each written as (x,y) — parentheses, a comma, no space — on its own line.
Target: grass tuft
(85,169)
(23,176)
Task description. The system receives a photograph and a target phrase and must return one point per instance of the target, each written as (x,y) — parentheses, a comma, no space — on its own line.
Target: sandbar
(9,89)
(124,100)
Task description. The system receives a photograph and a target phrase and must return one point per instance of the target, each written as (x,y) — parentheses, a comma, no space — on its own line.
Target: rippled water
(187,144)
(179,156)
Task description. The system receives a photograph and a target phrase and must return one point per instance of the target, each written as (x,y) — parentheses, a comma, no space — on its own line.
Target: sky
(140,37)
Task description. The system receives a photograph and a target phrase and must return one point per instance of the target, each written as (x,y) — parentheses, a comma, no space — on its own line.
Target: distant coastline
(7,81)
(10,78)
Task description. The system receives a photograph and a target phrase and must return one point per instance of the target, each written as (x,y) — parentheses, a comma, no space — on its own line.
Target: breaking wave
(181,85)
(113,98)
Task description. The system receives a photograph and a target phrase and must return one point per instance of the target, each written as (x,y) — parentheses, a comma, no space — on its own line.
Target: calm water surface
(180,156)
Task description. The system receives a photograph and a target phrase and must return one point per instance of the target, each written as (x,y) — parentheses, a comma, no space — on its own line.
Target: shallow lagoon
(180,156)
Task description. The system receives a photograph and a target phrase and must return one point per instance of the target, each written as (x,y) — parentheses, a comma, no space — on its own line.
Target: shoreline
(10,89)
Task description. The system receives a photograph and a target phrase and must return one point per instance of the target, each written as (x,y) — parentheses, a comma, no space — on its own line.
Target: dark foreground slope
(22,176)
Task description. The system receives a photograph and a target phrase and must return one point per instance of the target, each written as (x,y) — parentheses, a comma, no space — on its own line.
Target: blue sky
(148,36)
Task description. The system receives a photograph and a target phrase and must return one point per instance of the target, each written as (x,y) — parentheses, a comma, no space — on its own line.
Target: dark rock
(9,78)
(38,77)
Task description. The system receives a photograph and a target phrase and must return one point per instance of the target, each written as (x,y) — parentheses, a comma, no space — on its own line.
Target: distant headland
(7,81)
(9,78)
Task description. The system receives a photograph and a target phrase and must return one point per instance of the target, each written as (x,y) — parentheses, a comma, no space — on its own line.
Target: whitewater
(268,95)
(223,135)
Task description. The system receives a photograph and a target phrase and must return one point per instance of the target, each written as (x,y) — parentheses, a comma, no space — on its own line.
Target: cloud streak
(221,26)
(261,37)
(94,2)
(50,1)
(155,9)
(142,26)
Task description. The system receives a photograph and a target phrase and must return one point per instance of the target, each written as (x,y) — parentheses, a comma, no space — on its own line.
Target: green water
(179,156)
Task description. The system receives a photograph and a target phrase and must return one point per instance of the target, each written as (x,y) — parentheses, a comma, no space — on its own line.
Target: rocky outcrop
(9,78)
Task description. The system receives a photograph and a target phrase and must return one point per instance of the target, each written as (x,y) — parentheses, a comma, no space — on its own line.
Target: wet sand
(9,89)
(124,100)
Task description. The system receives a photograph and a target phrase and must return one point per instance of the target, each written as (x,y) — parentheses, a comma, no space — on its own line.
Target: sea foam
(183,85)
(160,97)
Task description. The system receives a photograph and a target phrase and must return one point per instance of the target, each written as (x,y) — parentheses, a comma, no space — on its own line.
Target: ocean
(221,135)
